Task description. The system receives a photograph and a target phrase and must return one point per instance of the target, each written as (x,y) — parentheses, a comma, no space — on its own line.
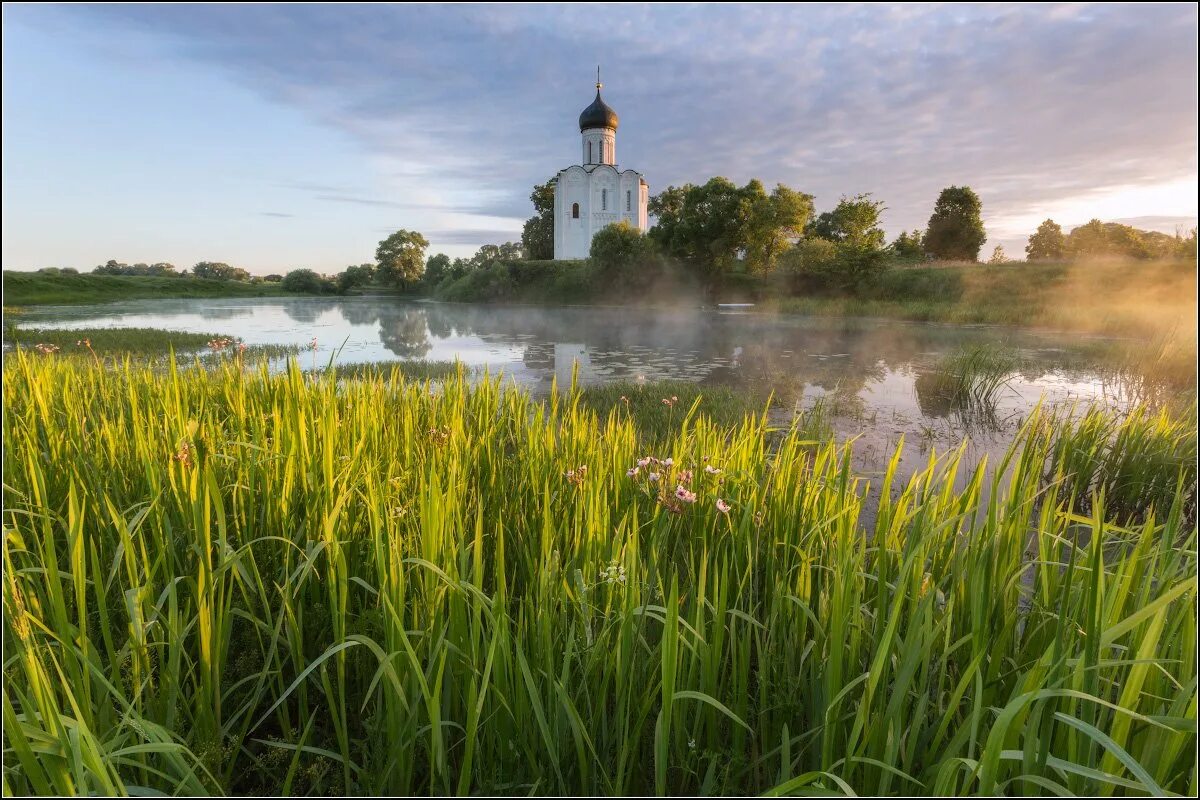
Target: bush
(823,266)
(624,256)
(739,287)
(305,281)
(524,281)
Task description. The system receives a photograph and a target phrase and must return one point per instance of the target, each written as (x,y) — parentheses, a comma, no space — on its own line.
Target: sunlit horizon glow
(1165,207)
(276,137)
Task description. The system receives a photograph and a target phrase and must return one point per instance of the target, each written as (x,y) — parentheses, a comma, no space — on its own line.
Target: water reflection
(859,365)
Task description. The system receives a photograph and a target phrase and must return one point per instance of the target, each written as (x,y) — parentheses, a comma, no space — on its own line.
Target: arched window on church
(575,211)
(604,199)
(589,152)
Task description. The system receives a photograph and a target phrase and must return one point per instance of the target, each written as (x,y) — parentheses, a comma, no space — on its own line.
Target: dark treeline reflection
(841,356)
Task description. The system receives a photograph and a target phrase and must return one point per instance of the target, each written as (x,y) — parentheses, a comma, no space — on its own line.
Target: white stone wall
(603,195)
(572,237)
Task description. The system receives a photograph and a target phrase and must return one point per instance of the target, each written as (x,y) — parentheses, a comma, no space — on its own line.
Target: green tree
(622,254)
(305,281)
(163,269)
(668,204)
(955,229)
(220,271)
(775,222)
(437,267)
(355,276)
(1098,239)
(401,257)
(910,246)
(489,253)
(718,227)
(855,220)
(537,237)
(823,265)
(111,267)
(1047,242)
(808,263)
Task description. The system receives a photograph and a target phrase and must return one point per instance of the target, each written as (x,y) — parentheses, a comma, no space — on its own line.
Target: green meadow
(33,288)
(227,580)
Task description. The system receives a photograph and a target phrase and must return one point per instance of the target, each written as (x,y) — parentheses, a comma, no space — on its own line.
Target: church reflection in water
(838,358)
(872,363)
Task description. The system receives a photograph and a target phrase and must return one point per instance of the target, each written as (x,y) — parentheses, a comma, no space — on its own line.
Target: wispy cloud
(464,108)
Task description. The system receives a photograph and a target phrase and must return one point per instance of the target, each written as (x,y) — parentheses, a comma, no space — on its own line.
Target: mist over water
(875,361)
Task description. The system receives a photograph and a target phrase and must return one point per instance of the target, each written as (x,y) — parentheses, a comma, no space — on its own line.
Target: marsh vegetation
(240,580)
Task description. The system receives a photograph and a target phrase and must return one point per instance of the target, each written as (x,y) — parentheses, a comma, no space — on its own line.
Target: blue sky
(276,137)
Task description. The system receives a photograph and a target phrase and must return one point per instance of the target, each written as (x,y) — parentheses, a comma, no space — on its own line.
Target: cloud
(464,108)
(473,236)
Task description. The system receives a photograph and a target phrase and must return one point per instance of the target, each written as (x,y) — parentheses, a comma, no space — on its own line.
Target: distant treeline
(707,237)
(717,235)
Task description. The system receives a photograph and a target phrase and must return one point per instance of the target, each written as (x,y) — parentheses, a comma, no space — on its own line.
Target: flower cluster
(46,349)
(661,473)
(576,476)
(613,573)
(220,343)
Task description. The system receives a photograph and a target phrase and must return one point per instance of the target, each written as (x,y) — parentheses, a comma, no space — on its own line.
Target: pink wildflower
(683,494)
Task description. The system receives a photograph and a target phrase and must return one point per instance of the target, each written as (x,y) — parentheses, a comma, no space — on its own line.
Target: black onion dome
(598,115)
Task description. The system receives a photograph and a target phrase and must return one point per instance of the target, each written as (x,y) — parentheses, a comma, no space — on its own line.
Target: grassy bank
(115,344)
(1124,298)
(109,341)
(1137,298)
(231,581)
(31,288)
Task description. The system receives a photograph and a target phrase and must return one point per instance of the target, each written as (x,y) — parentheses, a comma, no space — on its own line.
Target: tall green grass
(232,581)
(970,381)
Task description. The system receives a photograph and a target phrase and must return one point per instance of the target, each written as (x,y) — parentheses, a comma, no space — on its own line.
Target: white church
(595,194)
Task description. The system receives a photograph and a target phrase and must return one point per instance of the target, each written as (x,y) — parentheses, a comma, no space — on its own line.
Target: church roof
(598,115)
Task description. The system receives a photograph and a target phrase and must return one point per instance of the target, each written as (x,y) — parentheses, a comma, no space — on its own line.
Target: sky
(278,137)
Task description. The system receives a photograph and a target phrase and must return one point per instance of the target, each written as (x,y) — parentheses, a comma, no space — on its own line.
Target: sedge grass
(236,581)
(969,381)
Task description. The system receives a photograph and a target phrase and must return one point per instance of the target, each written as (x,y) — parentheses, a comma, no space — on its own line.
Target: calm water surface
(866,370)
